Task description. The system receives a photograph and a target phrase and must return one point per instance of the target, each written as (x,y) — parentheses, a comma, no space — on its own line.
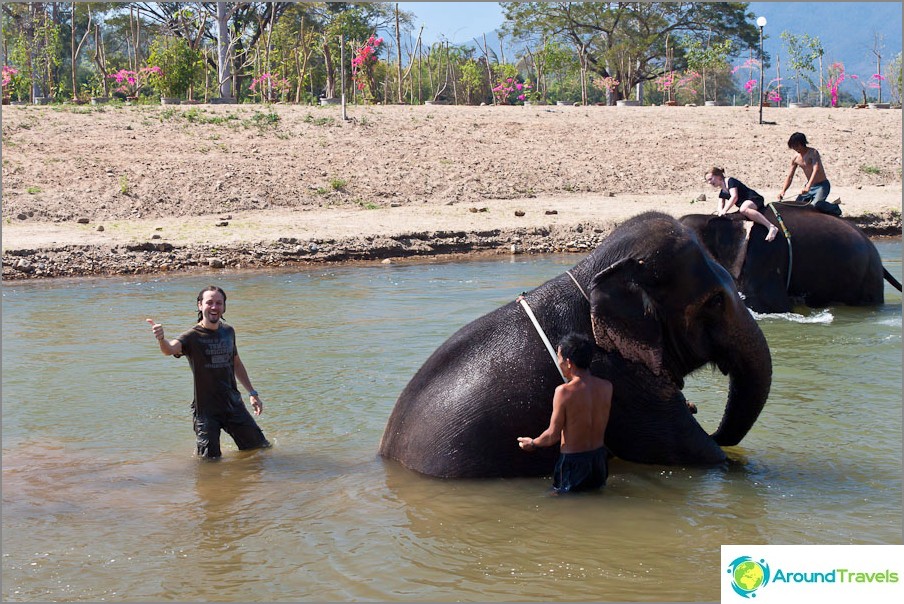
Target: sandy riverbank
(122,190)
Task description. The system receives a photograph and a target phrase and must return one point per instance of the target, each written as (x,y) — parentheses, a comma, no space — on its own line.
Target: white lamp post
(761,22)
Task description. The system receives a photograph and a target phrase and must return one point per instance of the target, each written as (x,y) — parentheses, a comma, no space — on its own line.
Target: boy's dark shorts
(585,471)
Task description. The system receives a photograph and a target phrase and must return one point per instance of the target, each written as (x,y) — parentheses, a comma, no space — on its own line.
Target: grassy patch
(264,120)
(33,190)
(338,184)
(318,121)
(199,116)
(870,169)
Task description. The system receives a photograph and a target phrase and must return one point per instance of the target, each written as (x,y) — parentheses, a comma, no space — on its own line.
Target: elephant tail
(891,279)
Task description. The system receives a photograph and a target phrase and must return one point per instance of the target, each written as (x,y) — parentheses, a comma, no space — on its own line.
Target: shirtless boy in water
(580,413)
(807,158)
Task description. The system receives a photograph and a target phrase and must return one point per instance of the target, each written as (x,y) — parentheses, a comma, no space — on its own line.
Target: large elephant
(825,261)
(657,305)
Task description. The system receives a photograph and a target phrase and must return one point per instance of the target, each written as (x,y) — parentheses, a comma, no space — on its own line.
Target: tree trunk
(398,34)
(330,91)
(74,55)
(224,68)
(100,57)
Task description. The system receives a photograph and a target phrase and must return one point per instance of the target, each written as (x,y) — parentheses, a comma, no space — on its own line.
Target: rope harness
(541,333)
(787,235)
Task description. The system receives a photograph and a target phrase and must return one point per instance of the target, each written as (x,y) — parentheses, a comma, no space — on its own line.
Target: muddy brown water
(103,499)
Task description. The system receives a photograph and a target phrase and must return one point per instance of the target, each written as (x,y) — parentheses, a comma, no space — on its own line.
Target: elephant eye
(716,301)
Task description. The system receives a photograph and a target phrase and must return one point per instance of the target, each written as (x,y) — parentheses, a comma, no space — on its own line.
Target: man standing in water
(580,413)
(215,364)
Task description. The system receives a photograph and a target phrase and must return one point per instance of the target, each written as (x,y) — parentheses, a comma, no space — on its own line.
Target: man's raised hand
(157,328)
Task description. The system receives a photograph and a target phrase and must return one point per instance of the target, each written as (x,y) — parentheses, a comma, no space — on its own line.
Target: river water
(104,500)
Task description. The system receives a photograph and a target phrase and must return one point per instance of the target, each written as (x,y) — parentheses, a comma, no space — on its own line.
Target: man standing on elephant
(215,363)
(580,413)
(816,191)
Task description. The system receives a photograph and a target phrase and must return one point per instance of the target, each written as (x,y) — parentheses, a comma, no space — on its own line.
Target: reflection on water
(104,499)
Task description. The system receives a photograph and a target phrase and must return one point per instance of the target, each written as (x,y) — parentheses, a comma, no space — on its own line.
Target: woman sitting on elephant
(732,191)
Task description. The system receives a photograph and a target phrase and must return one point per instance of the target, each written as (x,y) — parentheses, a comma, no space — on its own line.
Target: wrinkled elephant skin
(659,308)
(830,260)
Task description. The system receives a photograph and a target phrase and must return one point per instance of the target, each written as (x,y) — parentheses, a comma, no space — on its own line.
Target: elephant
(818,261)
(657,306)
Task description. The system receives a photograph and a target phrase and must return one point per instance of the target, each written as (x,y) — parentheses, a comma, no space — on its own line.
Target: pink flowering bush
(774,91)
(833,81)
(510,91)
(874,82)
(269,86)
(607,84)
(363,64)
(8,73)
(673,83)
(751,84)
(131,82)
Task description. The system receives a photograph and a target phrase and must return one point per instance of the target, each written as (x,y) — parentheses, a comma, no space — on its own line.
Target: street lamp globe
(761,21)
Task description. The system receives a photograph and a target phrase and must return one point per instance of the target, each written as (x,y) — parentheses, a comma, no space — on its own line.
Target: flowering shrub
(672,82)
(874,81)
(363,64)
(8,73)
(510,91)
(773,91)
(15,84)
(131,82)
(833,81)
(269,86)
(750,85)
(607,84)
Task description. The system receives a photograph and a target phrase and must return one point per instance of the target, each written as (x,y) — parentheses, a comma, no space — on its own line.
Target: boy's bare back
(586,402)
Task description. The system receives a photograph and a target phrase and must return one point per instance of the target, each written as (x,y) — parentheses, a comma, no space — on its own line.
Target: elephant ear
(623,316)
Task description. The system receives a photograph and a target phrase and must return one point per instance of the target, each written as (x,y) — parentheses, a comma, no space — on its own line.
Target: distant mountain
(846,29)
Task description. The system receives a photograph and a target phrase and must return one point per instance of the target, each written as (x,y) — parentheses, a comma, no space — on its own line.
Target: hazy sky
(457,22)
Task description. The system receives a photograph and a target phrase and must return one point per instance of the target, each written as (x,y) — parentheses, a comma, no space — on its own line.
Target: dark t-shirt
(211,355)
(745,193)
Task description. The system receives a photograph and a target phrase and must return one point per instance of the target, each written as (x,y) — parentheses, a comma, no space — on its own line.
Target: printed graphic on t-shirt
(218,352)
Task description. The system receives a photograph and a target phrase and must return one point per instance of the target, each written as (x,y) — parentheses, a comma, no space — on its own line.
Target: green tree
(801,56)
(626,40)
(473,79)
(710,60)
(177,62)
(896,79)
(33,44)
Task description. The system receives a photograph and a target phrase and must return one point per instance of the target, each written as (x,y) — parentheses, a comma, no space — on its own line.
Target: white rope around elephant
(549,348)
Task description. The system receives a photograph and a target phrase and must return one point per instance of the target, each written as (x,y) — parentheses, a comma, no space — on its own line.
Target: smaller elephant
(816,260)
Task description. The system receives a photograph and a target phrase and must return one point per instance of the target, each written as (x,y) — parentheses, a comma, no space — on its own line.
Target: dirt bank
(123,190)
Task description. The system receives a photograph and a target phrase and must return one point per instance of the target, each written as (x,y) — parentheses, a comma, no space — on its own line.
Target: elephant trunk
(749,367)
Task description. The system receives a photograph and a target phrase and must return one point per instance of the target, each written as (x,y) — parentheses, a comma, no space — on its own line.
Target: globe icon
(748,575)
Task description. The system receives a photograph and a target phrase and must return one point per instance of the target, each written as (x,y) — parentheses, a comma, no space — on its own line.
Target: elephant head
(660,311)
(658,306)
